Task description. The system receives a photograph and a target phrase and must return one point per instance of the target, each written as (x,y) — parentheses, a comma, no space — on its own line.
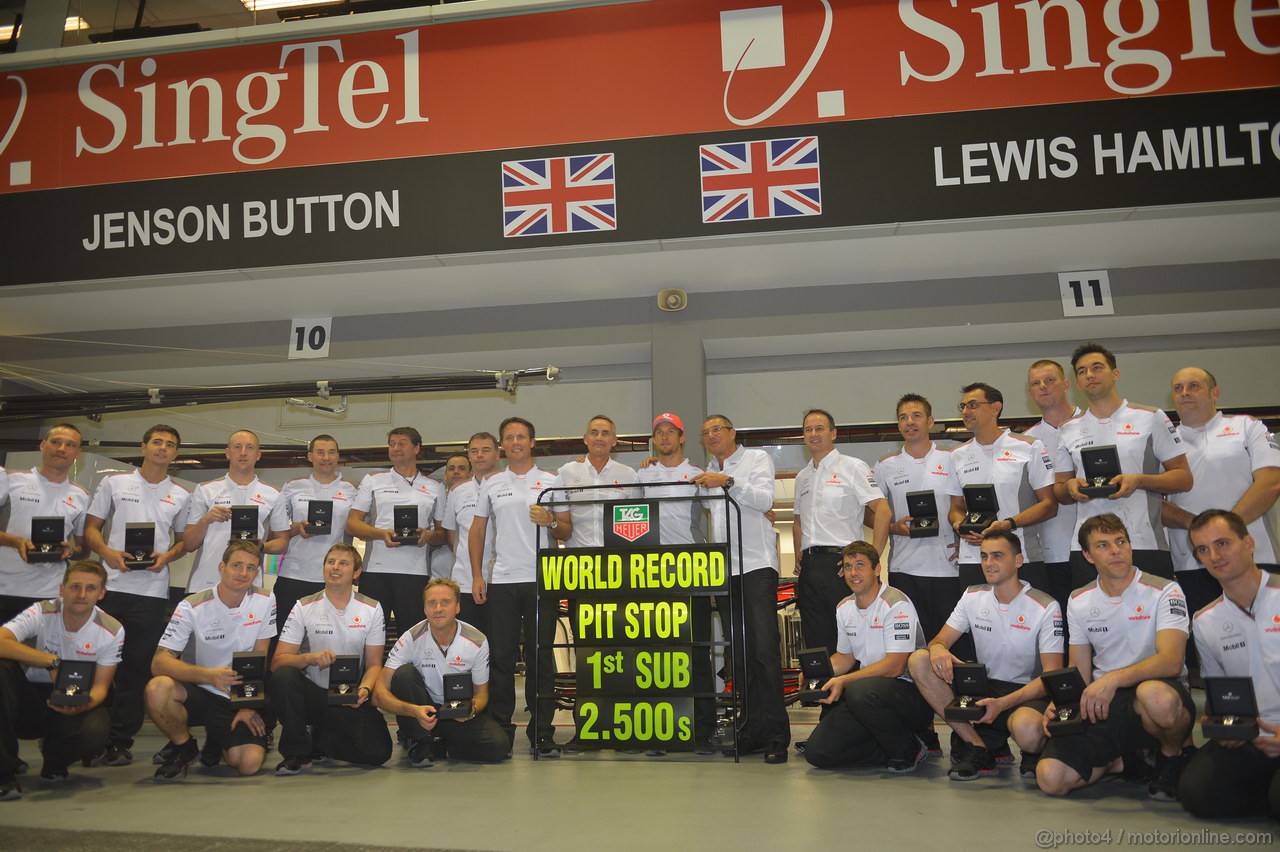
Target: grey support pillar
(679,365)
(42,24)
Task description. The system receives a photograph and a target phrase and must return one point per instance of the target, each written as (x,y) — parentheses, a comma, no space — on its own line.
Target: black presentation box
(1231,709)
(47,534)
(75,677)
(344,679)
(139,544)
(405,521)
(969,682)
(1101,465)
(1065,686)
(244,524)
(922,507)
(458,691)
(319,517)
(250,693)
(980,508)
(815,669)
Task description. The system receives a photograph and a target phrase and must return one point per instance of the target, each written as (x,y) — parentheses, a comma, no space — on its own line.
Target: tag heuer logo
(631,522)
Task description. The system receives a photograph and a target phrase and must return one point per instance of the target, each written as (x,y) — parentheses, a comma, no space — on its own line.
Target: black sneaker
(53,775)
(420,754)
(116,755)
(1027,768)
(211,755)
(1164,782)
(1137,767)
(292,766)
(960,750)
(318,757)
(162,756)
(800,746)
(9,790)
(549,751)
(175,766)
(655,752)
(23,768)
(906,765)
(978,761)
(1003,755)
(929,736)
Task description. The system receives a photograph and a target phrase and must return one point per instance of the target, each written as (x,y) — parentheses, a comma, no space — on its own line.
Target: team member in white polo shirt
(209,512)
(1017,631)
(301,570)
(43,491)
(1236,465)
(460,509)
(923,569)
(875,708)
(1128,640)
(1144,438)
(833,494)
(395,574)
(1238,636)
(457,470)
(216,623)
(595,474)
(138,599)
(748,477)
(331,623)
(412,684)
(1021,472)
(32,647)
(1048,386)
(508,500)
(681,522)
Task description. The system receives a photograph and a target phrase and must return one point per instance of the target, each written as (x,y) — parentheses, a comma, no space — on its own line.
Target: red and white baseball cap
(668,417)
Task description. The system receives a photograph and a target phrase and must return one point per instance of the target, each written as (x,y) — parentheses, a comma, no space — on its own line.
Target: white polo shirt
(753,475)
(901,473)
(378,496)
(304,560)
(1123,630)
(460,510)
(30,495)
(1224,454)
(127,498)
(218,630)
(1016,466)
(505,499)
(468,652)
(1055,533)
(315,624)
(99,640)
(1009,638)
(889,626)
(679,521)
(225,492)
(588,519)
(1144,439)
(1233,643)
(831,497)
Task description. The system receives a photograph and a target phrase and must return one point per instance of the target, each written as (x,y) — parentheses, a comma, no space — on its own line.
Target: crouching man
(412,684)
(217,622)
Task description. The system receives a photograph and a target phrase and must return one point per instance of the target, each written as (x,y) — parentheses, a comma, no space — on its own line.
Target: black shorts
(1121,732)
(996,733)
(215,713)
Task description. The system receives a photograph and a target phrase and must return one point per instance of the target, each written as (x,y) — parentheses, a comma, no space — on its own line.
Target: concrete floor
(608,800)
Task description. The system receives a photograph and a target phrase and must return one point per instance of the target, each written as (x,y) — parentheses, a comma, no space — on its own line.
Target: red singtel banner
(625,71)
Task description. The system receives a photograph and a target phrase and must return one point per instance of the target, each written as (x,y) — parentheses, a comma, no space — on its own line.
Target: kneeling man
(876,711)
(1017,633)
(1128,634)
(412,683)
(217,622)
(335,622)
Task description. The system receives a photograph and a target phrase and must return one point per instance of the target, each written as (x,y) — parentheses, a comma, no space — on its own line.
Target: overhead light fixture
(73,24)
(268,5)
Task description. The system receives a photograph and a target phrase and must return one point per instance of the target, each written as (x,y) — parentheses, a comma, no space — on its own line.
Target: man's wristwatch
(554,523)
(57,661)
(728,482)
(1013,525)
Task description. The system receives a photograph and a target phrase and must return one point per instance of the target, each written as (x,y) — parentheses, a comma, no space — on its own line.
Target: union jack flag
(762,179)
(558,195)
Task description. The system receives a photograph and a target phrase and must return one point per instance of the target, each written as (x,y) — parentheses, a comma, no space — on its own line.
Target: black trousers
(398,593)
(934,599)
(757,656)
(479,738)
(875,721)
(513,607)
(288,591)
(11,606)
(25,715)
(819,590)
(1220,782)
(477,615)
(144,620)
(354,734)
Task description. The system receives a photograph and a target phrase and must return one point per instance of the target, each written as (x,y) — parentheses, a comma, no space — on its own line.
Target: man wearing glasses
(1022,473)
